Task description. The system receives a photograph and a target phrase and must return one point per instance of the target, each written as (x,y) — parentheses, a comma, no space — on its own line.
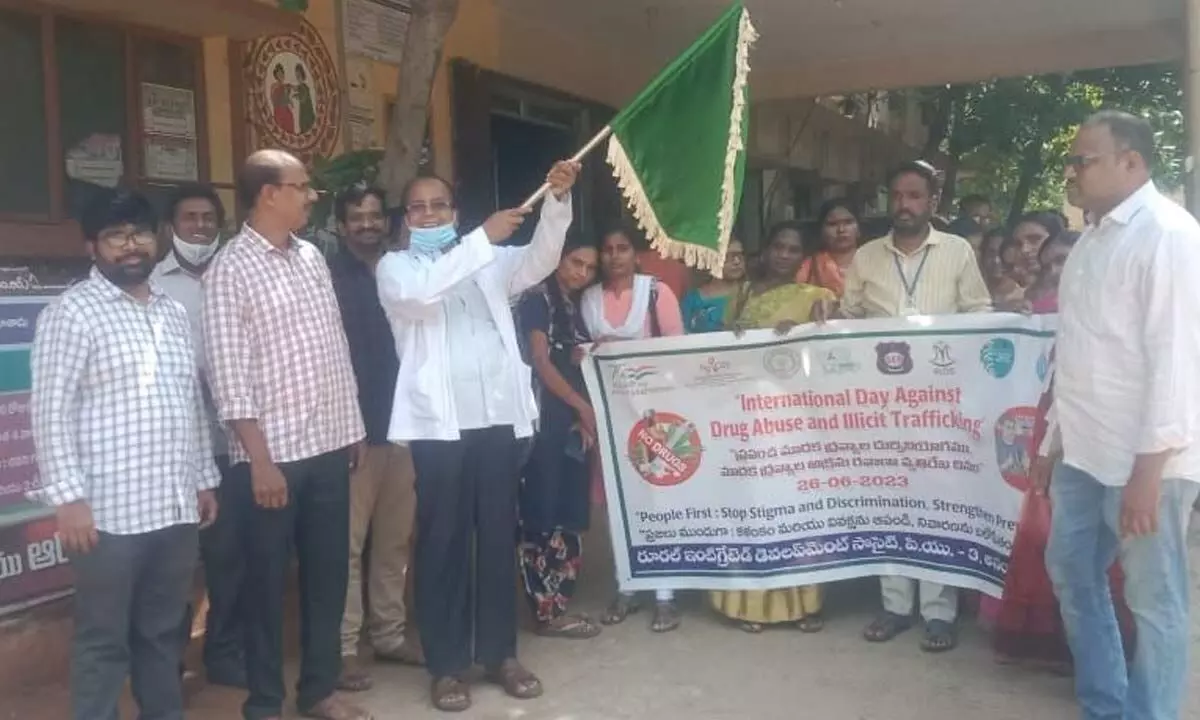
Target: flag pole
(590,146)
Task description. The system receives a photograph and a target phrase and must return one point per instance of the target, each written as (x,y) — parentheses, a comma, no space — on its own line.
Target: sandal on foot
(516,680)
(450,694)
(751,627)
(940,636)
(886,626)
(621,608)
(354,677)
(811,624)
(666,617)
(572,627)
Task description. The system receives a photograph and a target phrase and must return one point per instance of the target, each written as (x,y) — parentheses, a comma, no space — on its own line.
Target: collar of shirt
(112,292)
(349,263)
(1122,214)
(261,243)
(933,238)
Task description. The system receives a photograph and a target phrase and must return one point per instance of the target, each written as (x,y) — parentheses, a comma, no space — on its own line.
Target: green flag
(678,150)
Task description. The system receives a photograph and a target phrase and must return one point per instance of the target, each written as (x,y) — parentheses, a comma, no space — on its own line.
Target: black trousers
(130,593)
(316,521)
(467,505)
(224,570)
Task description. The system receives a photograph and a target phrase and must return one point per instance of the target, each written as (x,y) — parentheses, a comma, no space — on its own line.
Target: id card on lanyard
(909,308)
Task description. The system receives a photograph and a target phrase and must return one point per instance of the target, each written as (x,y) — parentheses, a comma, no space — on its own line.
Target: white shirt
(116,410)
(476,357)
(185,288)
(1127,379)
(418,294)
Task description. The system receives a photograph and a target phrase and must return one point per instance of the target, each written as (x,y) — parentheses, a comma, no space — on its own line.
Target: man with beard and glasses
(915,270)
(464,397)
(125,457)
(280,372)
(381,491)
(195,216)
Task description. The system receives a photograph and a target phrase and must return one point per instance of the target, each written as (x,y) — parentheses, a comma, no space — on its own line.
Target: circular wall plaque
(292,88)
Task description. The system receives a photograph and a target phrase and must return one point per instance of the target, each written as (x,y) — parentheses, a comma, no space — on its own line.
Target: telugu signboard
(32,566)
(895,447)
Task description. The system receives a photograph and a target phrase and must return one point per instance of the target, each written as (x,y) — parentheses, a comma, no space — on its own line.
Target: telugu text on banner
(852,449)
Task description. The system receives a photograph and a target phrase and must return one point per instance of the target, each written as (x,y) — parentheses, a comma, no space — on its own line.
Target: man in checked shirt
(280,373)
(126,459)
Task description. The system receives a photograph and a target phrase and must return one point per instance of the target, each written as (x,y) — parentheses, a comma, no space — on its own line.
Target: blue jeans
(1084,542)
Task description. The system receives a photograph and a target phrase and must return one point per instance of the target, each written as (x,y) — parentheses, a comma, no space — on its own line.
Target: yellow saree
(788,303)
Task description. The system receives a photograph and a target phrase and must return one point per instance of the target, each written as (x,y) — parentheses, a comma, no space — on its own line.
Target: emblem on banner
(1014,432)
(942,362)
(664,448)
(781,362)
(998,357)
(894,358)
(838,361)
(1043,366)
(634,380)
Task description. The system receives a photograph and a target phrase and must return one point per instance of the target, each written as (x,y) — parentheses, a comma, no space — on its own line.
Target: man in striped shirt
(915,270)
(279,368)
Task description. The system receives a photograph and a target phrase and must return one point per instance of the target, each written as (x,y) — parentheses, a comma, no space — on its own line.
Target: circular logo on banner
(1014,433)
(293,96)
(781,362)
(664,448)
(998,356)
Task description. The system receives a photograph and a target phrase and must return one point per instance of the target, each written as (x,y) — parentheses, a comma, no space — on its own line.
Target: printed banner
(857,448)
(32,567)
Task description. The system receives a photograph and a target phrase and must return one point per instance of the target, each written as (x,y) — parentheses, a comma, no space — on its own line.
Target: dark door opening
(523,152)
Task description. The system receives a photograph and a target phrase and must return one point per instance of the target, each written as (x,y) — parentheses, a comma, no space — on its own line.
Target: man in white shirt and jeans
(463,398)
(1125,425)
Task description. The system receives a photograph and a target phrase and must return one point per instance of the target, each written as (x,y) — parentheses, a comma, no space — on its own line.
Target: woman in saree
(555,487)
(628,305)
(1043,293)
(838,238)
(704,308)
(775,300)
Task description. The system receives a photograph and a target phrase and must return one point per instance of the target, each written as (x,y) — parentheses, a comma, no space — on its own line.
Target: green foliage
(1011,135)
(332,175)
(294,5)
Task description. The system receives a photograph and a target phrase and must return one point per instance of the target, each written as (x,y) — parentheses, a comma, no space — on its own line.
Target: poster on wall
(376,29)
(168,111)
(33,568)
(169,158)
(293,93)
(97,160)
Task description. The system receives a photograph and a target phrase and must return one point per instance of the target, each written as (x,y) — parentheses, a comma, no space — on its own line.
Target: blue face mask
(431,240)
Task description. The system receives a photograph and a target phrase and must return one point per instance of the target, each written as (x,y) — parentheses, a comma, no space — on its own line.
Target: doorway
(522,152)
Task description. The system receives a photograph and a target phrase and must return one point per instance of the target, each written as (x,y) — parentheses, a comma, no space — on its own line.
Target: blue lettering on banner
(17,321)
(819,553)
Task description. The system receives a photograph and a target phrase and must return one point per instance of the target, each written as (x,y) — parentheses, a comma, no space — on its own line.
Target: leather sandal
(450,694)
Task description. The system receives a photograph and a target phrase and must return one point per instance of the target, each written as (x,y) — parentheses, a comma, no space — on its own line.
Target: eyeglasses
(434,207)
(1079,162)
(117,239)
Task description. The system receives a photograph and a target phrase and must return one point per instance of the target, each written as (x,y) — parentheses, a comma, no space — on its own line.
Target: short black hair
(964,227)
(968,201)
(1130,131)
(636,237)
(255,175)
(117,207)
(354,195)
(408,187)
(195,191)
(1050,221)
(780,228)
(920,168)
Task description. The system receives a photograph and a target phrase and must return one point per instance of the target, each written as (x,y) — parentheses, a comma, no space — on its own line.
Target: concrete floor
(709,669)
